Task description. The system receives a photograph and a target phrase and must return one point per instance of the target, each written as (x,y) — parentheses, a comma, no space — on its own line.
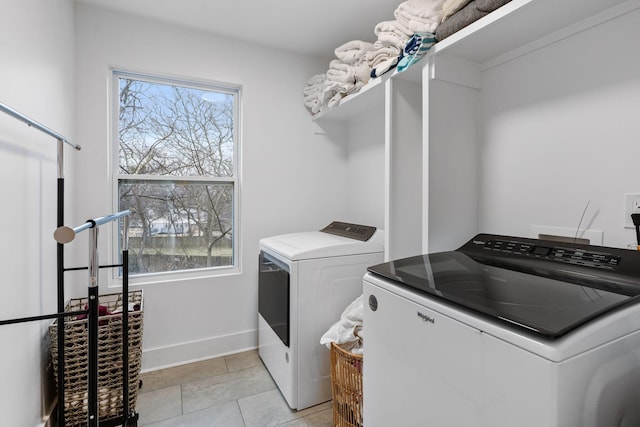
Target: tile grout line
(244,421)
(182,399)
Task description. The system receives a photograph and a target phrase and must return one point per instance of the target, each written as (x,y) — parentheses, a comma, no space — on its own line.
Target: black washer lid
(542,297)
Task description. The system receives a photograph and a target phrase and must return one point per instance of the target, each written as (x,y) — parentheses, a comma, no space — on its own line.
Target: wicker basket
(346,387)
(110,405)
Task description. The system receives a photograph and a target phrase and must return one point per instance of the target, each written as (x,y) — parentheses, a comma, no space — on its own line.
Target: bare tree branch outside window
(176,174)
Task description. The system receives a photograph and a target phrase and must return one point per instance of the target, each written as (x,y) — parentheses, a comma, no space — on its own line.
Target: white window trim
(180,275)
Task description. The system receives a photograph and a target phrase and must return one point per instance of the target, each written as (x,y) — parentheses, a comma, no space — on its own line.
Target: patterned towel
(415,49)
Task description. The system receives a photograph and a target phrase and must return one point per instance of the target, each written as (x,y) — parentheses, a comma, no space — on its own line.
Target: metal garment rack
(65,235)
(92,313)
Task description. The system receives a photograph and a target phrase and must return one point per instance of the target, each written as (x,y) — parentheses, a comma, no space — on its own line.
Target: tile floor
(230,391)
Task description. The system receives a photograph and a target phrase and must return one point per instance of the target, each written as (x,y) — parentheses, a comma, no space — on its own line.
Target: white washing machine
(306,280)
(504,332)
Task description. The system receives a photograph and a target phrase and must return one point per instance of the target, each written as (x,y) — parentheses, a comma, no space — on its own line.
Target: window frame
(116,176)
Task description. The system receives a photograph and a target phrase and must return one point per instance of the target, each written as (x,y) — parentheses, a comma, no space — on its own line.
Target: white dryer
(305,282)
(504,332)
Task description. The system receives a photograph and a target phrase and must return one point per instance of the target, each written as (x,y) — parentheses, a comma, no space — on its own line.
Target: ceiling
(301,26)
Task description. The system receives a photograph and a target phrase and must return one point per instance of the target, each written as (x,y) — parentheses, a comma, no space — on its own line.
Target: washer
(306,280)
(504,332)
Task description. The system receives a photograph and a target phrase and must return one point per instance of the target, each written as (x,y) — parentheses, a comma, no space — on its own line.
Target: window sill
(177,276)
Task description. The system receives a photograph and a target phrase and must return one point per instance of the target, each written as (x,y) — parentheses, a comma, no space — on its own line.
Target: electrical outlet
(631,205)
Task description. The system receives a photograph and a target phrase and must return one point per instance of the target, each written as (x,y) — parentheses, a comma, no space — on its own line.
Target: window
(177,173)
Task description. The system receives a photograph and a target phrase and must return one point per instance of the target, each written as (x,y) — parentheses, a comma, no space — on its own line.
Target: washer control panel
(568,255)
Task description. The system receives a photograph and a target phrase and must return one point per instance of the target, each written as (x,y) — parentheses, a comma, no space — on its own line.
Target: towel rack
(93,269)
(30,122)
(60,250)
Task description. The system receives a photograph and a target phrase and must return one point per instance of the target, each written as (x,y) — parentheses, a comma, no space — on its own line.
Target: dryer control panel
(352,231)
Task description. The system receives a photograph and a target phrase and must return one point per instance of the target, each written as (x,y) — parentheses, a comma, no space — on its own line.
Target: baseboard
(47,423)
(50,417)
(179,354)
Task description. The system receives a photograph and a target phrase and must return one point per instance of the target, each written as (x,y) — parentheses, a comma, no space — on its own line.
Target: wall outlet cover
(631,205)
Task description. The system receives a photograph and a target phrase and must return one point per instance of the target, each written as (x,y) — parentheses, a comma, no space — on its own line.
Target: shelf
(370,97)
(522,22)
(518,27)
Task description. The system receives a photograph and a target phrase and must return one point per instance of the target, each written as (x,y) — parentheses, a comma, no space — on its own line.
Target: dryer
(504,332)
(305,282)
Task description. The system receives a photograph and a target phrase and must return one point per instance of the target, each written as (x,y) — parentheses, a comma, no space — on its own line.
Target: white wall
(292,180)
(36,78)
(560,128)
(365,142)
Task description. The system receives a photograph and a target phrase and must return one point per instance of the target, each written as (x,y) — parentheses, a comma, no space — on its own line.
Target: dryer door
(273,294)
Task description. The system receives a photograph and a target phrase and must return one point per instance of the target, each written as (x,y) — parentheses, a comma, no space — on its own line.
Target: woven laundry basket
(346,387)
(110,405)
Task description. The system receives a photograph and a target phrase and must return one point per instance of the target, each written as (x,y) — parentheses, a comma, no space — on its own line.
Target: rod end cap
(64,234)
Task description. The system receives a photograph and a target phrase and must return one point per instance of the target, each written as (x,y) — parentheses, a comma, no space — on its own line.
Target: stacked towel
(346,74)
(344,79)
(392,36)
(314,93)
(353,51)
(347,332)
(400,42)
(412,17)
(392,33)
(468,14)
(420,15)
(383,59)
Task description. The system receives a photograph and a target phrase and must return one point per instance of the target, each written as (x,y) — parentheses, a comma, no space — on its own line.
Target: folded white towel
(340,76)
(314,93)
(424,9)
(333,87)
(352,51)
(347,332)
(420,15)
(313,90)
(393,26)
(316,79)
(339,70)
(334,100)
(382,54)
(392,33)
(315,84)
(362,72)
(384,66)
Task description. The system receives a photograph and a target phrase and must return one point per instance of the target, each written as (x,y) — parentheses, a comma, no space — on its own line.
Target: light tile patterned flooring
(230,391)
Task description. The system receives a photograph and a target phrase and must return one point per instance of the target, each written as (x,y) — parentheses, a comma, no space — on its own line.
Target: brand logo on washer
(373,303)
(426,318)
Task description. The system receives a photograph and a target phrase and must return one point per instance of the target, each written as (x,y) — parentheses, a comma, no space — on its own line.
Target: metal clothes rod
(18,115)
(58,316)
(66,234)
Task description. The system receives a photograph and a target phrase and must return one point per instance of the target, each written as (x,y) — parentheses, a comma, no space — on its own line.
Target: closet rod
(66,234)
(30,122)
